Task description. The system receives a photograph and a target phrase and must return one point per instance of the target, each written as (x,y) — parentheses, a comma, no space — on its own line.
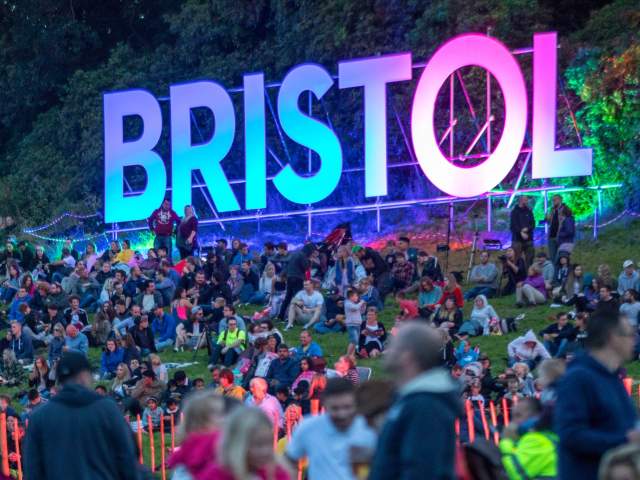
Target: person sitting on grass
(448,316)
(152,414)
(558,335)
(307,347)
(283,370)
(428,296)
(112,356)
(227,386)
(163,327)
(452,289)
(483,316)
(527,349)
(230,344)
(372,335)
(345,367)
(485,277)
(143,336)
(630,307)
(306,307)
(76,341)
(532,289)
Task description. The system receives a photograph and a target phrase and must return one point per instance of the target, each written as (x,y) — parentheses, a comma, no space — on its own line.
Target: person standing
(554,226)
(335,440)
(78,434)
(593,412)
(522,227)
(187,233)
(415,445)
(161,225)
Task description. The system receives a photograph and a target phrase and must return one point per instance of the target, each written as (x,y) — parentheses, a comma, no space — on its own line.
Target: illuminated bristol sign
(372,75)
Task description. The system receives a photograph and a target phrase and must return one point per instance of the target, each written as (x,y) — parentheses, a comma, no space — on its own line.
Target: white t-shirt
(310,301)
(327,448)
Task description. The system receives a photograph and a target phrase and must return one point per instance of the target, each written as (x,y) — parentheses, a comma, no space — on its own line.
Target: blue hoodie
(593,414)
(110,360)
(164,328)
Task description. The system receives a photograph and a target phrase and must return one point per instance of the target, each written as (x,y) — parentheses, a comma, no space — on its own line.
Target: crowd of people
(560,404)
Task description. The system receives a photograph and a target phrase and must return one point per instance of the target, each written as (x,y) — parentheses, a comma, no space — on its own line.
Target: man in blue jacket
(307,347)
(283,370)
(163,327)
(418,438)
(594,412)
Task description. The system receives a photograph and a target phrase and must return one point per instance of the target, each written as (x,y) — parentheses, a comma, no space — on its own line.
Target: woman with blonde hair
(246,450)
(123,375)
(199,434)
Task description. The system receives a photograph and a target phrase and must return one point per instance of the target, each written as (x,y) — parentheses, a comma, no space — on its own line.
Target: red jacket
(220,473)
(161,221)
(457,294)
(197,453)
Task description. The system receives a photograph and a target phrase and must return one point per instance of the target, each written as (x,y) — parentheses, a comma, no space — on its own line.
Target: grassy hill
(616,244)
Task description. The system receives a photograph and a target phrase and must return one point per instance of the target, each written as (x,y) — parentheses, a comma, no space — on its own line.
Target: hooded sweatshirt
(521,352)
(593,414)
(79,435)
(418,438)
(483,315)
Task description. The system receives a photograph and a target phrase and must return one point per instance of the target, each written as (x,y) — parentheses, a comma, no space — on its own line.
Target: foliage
(58,57)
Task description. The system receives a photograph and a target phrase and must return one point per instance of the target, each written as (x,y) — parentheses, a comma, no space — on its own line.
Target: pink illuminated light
(461,51)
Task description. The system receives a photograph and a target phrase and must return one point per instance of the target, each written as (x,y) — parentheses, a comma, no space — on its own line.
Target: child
(353,309)
(152,411)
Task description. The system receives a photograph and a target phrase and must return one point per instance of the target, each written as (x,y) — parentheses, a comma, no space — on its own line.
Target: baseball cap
(196,309)
(627,263)
(356,248)
(71,364)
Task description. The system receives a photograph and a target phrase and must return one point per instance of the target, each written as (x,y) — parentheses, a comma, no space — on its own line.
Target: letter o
(461,51)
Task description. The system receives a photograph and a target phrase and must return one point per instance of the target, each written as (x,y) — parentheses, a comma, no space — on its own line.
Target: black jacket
(521,218)
(418,440)
(299,263)
(79,435)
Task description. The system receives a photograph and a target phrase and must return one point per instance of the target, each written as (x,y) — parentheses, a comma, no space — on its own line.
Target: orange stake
(139,433)
(152,444)
(505,412)
(315,406)
(472,431)
(628,384)
(173,434)
(494,422)
(483,417)
(4,445)
(16,436)
(162,447)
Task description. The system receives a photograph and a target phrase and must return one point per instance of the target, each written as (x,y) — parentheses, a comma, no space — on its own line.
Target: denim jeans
(164,241)
(478,290)
(161,345)
(556,349)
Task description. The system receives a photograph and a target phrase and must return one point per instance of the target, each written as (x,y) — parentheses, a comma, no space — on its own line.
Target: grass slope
(616,244)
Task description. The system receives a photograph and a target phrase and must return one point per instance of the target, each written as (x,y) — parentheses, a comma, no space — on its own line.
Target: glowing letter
(310,133)
(546,161)
(119,154)
(207,156)
(254,142)
(373,74)
(488,53)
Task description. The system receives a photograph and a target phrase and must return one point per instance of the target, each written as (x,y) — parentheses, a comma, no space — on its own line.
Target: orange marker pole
(483,417)
(315,406)
(638,395)
(628,384)
(152,444)
(173,434)
(494,422)
(505,411)
(456,425)
(139,433)
(4,445)
(162,448)
(16,437)
(469,409)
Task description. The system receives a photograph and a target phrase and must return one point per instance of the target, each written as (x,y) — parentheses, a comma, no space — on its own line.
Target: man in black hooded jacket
(418,438)
(78,434)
